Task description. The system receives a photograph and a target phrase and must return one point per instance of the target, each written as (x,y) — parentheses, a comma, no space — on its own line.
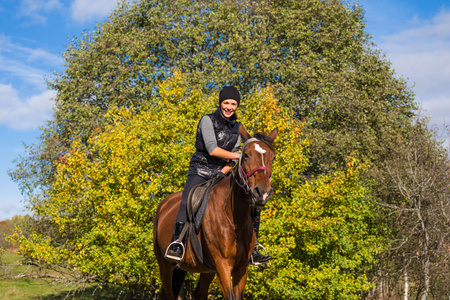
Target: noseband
(242,174)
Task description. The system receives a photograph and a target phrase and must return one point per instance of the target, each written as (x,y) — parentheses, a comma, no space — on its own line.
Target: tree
(5,230)
(417,173)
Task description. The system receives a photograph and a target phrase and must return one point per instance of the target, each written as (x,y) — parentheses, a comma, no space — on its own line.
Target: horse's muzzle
(260,197)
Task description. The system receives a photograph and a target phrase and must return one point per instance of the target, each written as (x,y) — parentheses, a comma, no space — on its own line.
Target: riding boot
(257,258)
(175,251)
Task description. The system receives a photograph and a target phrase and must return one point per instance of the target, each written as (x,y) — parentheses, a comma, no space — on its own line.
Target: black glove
(219,176)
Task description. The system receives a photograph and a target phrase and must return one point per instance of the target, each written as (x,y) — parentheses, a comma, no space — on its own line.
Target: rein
(242,174)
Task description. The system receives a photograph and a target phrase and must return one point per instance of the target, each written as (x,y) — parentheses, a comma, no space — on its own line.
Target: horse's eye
(246,156)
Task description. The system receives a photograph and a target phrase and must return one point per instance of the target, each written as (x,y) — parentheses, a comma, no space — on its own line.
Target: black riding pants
(191,181)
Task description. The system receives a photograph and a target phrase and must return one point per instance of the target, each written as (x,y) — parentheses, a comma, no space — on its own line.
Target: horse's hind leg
(201,291)
(167,276)
(172,282)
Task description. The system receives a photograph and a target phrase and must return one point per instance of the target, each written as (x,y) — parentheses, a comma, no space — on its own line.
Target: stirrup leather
(172,257)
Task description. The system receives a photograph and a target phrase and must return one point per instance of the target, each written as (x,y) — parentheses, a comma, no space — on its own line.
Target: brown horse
(226,233)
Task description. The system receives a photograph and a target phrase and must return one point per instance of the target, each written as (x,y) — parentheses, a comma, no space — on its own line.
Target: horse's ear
(273,134)
(243,133)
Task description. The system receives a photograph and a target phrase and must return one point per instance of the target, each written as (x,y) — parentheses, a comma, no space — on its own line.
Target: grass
(33,289)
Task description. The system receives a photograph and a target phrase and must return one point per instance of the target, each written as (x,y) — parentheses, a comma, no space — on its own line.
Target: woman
(217,148)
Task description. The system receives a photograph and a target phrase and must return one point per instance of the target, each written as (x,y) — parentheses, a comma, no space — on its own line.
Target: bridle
(242,174)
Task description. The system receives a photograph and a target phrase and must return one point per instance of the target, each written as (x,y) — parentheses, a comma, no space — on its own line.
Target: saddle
(196,205)
(197,201)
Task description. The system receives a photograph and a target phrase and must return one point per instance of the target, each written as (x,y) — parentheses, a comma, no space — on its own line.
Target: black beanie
(229,92)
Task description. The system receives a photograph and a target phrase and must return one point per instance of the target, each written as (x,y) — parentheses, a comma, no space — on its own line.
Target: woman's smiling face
(228,107)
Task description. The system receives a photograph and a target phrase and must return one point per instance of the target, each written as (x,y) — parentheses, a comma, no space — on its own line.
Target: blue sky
(414,35)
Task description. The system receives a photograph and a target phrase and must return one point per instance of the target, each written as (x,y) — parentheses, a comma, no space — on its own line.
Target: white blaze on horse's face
(258,148)
(262,151)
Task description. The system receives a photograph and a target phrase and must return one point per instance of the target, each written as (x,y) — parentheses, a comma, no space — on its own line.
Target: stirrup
(172,257)
(257,263)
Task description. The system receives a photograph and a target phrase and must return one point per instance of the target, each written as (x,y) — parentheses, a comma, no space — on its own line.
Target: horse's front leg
(224,277)
(239,280)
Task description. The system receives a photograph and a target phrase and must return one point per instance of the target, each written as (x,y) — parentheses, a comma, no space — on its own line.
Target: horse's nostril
(257,192)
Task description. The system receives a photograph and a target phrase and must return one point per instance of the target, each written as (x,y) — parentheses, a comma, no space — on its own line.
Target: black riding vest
(227,134)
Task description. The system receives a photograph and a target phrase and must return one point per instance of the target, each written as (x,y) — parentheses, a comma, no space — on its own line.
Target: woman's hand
(229,166)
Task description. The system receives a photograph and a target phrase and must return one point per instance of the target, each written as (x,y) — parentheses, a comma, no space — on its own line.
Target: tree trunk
(426,275)
(405,297)
(426,256)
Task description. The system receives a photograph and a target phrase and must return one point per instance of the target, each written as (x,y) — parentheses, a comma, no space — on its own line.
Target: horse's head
(255,165)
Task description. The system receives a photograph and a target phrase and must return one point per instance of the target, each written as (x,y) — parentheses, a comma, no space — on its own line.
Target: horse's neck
(239,201)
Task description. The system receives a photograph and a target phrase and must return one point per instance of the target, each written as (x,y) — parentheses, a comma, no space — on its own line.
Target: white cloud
(15,51)
(90,10)
(24,114)
(22,63)
(82,11)
(422,54)
(7,211)
(37,10)
(24,99)
(439,109)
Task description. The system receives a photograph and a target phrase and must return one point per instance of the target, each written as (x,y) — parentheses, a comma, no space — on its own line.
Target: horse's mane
(264,138)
